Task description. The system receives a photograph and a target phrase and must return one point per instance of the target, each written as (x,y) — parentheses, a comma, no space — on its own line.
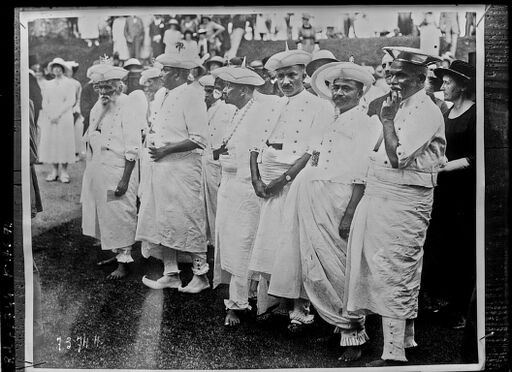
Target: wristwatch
(287,177)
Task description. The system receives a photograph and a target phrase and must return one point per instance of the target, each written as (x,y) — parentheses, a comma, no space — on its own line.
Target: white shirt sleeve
(196,119)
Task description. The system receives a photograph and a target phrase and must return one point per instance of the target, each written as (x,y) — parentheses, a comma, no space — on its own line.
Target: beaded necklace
(246,109)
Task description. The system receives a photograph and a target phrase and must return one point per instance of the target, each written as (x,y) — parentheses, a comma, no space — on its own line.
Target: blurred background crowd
(146,36)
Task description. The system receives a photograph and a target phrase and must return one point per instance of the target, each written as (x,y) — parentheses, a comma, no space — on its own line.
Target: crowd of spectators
(146,36)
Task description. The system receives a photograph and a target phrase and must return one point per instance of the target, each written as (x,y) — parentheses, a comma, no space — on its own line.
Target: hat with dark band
(458,68)
(411,55)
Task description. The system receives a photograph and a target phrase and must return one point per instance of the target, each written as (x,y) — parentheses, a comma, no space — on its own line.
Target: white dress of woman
(57,125)
(118,38)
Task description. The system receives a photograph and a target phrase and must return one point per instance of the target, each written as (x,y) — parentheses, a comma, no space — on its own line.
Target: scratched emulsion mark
(146,348)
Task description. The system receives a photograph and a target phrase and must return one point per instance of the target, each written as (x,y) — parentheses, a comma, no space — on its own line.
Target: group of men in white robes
(308,201)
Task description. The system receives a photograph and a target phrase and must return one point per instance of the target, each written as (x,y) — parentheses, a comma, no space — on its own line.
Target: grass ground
(127,325)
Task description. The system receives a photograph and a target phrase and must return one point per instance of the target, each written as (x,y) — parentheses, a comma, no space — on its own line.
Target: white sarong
(211,182)
(385,249)
(271,217)
(172,208)
(238,210)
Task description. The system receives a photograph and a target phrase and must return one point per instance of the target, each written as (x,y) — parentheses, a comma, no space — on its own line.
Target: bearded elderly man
(219,116)
(238,207)
(385,246)
(273,168)
(172,215)
(320,204)
(109,185)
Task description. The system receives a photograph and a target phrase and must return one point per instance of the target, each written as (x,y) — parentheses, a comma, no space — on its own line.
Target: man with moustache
(385,246)
(172,215)
(238,208)
(273,167)
(110,182)
(219,116)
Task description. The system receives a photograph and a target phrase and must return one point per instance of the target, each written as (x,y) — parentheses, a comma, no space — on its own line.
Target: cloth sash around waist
(406,194)
(397,176)
(270,168)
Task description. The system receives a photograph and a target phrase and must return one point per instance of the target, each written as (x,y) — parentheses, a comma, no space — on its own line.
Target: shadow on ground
(92,322)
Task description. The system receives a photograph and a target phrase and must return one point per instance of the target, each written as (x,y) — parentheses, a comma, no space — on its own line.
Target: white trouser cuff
(352,337)
(409,334)
(124,255)
(394,335)
(200,267)
(233,305)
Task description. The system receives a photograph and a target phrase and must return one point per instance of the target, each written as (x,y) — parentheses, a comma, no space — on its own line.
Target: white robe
(301,120)
(113,220)
(385,247)
(172,211)
(219,117)
(238,206)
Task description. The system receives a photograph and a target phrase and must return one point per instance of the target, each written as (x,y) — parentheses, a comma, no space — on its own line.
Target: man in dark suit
(134,33)
(156,33)
(34,91)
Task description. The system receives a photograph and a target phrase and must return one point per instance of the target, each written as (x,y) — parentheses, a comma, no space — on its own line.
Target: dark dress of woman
(450,249)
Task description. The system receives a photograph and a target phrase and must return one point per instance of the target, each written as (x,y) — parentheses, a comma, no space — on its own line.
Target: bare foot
(232,319)
(351,353)
(108,261)
(120,272)
(196,285)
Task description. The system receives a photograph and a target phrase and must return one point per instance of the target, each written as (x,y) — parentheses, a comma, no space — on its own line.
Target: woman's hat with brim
(207,81)
(326,74)
(59,62)
(104,72)
(150,73)
(238,75)
(319,58)
(458,68)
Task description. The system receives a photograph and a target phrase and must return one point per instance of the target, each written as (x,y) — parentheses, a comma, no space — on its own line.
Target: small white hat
(207,80)
(150,73)
(60,62)
(72,64)
(288,58)
(339,70)
(132,62)
(238,75)
(104,72)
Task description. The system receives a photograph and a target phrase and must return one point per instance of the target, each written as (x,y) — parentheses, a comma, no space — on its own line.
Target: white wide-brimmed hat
(238,75)
(60,62)
(326,74)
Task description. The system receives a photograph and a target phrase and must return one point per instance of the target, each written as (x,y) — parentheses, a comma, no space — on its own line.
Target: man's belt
(276,146)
